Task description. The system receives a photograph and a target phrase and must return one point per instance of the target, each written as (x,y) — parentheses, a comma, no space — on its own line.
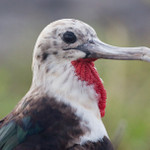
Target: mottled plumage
(63,108)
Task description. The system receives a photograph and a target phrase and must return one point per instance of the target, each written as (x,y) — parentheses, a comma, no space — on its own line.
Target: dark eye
(69,37)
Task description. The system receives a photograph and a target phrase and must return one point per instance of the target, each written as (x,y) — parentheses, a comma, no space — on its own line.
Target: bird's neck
(76,84)
(73,82)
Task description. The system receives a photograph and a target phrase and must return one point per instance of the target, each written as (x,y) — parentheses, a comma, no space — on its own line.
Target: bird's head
(70,42)
(64,40)
(70,39)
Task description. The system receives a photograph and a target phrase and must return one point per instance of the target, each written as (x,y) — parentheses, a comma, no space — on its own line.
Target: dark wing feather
(12,134)
(45,124)
(42,124)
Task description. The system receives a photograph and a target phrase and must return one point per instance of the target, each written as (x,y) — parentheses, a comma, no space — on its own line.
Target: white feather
(67,87)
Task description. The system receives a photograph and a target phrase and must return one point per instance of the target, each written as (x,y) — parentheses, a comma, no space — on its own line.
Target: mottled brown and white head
(61,40)
(70,39)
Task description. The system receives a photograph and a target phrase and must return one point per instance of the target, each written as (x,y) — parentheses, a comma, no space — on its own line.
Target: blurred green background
(122,23)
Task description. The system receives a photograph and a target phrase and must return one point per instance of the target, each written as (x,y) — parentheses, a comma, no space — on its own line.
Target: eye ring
(69,37)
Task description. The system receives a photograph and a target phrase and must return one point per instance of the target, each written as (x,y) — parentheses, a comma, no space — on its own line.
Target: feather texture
(46,125)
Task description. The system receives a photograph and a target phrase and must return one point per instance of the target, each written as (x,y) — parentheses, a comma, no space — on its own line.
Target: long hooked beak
(98,49)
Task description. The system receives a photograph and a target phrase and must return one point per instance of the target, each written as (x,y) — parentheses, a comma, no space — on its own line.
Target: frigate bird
(63,108)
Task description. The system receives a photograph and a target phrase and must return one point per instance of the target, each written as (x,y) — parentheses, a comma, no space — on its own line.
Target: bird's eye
(69,37)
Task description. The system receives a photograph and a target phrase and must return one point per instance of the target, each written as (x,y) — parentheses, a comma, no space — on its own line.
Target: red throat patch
(86,71)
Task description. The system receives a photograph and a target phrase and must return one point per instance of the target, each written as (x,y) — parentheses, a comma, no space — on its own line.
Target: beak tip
(146,55)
